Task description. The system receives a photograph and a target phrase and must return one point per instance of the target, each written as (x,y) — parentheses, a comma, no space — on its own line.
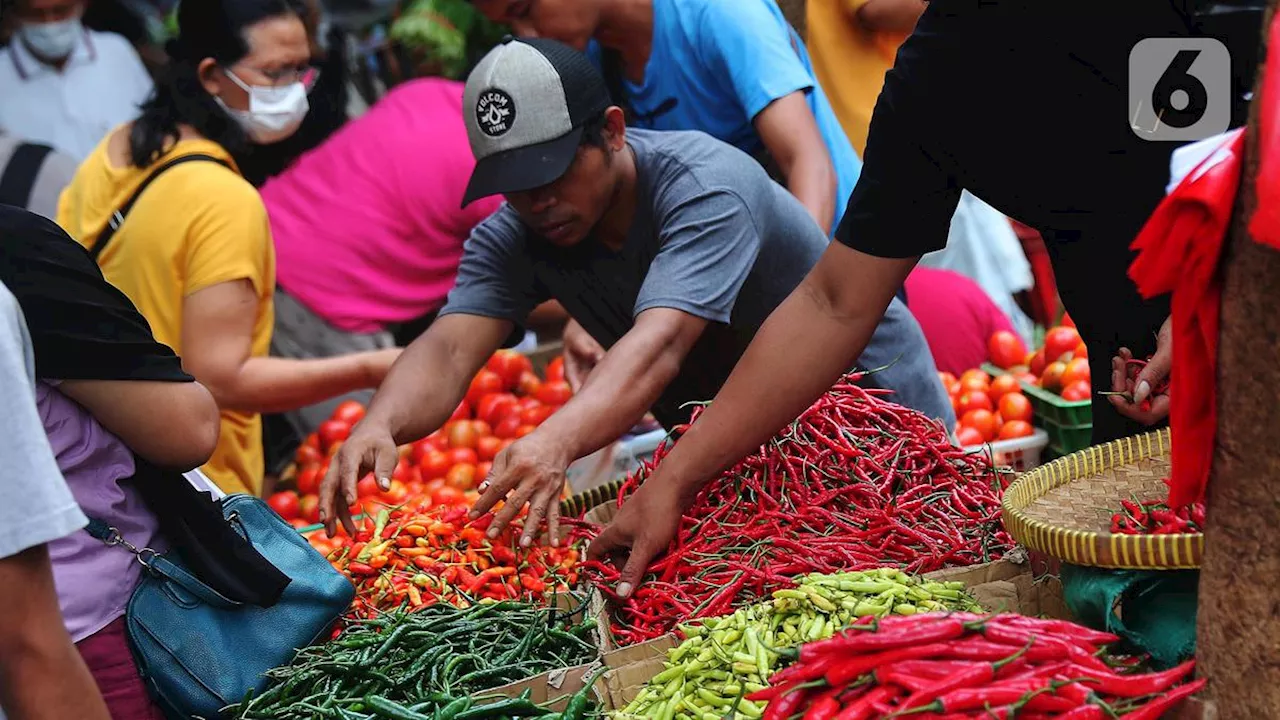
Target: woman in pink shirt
(369,228)
(956,315)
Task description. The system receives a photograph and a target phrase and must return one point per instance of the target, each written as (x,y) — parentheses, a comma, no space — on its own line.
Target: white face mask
(274,112)
(53,40)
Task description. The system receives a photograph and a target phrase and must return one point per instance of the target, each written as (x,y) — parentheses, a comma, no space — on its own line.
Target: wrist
(556,447)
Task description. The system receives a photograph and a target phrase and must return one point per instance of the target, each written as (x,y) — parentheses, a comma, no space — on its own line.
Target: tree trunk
(793,10)
(1239,615)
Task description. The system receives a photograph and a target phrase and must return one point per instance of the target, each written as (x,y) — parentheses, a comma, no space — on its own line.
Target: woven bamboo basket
(1064,508)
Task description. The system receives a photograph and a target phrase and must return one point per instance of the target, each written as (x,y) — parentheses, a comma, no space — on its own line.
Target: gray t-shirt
(712,236)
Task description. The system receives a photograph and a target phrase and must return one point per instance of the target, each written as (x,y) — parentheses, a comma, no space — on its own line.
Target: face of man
(572,22)
(50,28)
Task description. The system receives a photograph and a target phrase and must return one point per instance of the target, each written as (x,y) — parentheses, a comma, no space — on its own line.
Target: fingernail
(1142,391)
(483,486)
(526,541)
(385,483)
(493,533)
(624,590)
(555,541)
(473,514)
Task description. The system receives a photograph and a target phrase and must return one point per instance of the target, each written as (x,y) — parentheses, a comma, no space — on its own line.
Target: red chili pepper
(943,628)
(1131,685)
(864,707)
(846,670)
(825,706)
(1156,708)
(970,677)
(787,705)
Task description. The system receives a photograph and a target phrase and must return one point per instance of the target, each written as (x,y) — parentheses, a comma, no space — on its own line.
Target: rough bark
(1239,614)
(793,10)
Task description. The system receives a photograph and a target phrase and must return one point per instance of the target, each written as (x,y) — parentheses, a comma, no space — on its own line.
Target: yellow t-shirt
(850,62)
(197,225)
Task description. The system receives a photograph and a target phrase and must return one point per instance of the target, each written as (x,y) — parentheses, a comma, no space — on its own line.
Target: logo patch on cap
(495,112)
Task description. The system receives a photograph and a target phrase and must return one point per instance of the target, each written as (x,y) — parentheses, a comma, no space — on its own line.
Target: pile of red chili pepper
(960,665)
(1132,367)
(854,483)
(1155,517)
(415,557)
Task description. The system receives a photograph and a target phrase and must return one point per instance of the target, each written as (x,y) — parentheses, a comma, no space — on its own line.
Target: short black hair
(593,130)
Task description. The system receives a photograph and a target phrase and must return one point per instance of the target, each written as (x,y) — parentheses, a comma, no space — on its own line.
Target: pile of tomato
(989,409)
(505,401)
(1060,366)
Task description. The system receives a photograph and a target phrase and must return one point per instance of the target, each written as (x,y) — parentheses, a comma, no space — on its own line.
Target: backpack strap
(19,177)
(117,218)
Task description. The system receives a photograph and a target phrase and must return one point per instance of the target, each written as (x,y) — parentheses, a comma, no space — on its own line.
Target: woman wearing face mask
(193,248)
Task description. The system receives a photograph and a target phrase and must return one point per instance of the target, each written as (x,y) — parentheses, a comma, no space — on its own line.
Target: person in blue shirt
(734,69)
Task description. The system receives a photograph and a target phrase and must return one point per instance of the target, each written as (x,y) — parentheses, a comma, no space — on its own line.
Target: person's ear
(211,78)
(615,128)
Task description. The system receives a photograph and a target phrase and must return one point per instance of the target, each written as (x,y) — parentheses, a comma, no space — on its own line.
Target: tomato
(1005,349)
(536,415)
(285,503)
(462,456)
(524,430)
(968,437)
(349,412)
(509,365)
(446,495)
(401,471)
(555,392)
(309,509)
(1076,391)
(483,469)
(974,400)
(486,381)
(1014,407)
(332,432)
(461,476)
(495,406)
(1060,341)
(461,434)
(367,487)
(308,480)
(1037,363)
(506,443)
(975,379)
(956,390)
(555,369)
(1015,429)
(439,440)
(529,385)
(308,455)
(396,494)
(487,447)
(420,450)
(1052,377)
(506,429)
(1067,321)
(984,421)
(298,524)
(1028,378)
(1003,385)
(481,428)
(1077,370)
(463,411)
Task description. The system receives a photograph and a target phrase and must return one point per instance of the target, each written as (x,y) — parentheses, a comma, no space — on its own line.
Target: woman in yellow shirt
(194,251)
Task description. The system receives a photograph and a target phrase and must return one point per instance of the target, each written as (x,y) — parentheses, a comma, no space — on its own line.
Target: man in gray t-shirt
(669,248)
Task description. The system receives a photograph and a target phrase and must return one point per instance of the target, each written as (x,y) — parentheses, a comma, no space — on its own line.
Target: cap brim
(523,168)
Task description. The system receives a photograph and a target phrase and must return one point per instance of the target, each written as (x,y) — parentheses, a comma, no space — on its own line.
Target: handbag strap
(159,565)
(117,217)
(20,173)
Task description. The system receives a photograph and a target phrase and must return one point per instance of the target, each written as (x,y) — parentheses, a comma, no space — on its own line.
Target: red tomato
(309,509)
(509,365)
(485,382)
(524,430)
(506,443)
(1081,351)
(401,473)
(439,440)
(446,495)
(367,487)
(1076,391)
(308,480)
(1052,377)
(1067,321)
(461,476)
(308,454)
(969,437)
(463,411)
(1028,378)
(536,415)
(1060,341)
(495,406)
(507,427)
(420,450)
(1037,362)
(556,392)
(487,447)
(349,412)
(1015,429)
(1077,370)
(332,432)
(483,469)
(975,378)
(974,383)
(481,428)
(974,400)
(984,421)
(298,524)
(527,402)
(529,384)
(555,369)
(396,494)
(462,456)
(1005,349)
(461,434)
(947,379)
(1003,385)
(285,503)
(1015,406)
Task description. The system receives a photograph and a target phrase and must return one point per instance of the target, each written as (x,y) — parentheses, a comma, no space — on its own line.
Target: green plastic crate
(1069,423)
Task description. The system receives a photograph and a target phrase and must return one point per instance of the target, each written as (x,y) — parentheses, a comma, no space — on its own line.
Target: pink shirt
(368,227)
(956,315)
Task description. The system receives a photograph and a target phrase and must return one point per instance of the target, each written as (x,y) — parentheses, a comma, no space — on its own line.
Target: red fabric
(956,315)
(106,652)
(1264,226)
(1044,291)
(1179,249)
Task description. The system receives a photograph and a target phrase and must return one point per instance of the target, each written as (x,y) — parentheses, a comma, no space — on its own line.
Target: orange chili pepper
(415,552)
(415,597)
(441,528)
(472,535)
(415,530)
(404,541)
(501,571)
(378,562)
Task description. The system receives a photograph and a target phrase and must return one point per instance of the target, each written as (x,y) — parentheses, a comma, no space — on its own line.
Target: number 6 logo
(1179,88)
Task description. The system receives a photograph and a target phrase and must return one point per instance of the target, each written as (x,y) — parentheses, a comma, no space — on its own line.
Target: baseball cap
(525,105)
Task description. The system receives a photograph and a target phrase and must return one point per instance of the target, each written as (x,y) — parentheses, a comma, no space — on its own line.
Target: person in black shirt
(1024,104)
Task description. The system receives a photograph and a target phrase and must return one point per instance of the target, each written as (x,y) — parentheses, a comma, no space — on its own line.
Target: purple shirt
(94,581)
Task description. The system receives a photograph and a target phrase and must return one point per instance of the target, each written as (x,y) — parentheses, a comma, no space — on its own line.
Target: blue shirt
(715,64)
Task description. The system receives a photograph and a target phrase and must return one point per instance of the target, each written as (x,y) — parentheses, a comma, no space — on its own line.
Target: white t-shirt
(38,506)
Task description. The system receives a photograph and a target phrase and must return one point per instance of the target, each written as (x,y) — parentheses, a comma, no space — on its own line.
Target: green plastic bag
(1154,612)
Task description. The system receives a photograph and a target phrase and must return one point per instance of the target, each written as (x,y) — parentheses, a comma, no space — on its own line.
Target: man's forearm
(813,181)
(422,389)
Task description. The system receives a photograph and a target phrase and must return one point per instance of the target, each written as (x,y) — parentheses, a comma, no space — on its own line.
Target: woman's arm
(887,15)
(217,338)
(171,424)
(791,135)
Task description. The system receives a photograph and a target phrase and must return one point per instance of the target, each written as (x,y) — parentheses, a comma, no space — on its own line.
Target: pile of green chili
(426,665)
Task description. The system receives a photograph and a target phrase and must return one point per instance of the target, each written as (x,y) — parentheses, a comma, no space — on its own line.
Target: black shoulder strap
(117,218)
(19,177)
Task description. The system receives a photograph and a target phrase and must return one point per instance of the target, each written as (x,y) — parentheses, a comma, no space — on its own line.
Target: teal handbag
(199,651)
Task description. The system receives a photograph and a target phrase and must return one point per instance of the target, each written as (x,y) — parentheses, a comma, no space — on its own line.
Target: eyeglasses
(307,75)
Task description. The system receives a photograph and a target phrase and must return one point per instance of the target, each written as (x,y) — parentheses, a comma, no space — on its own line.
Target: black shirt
(1025,104)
